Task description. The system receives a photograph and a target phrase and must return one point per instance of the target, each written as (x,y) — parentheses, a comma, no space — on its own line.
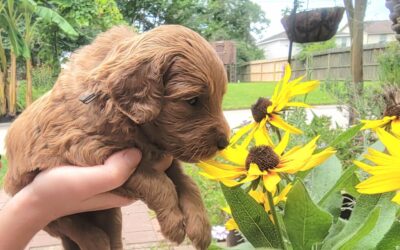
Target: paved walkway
(140,231)
(140,228)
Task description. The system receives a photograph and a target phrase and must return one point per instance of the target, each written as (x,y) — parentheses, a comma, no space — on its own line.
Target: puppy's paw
(173,225)
(198,229)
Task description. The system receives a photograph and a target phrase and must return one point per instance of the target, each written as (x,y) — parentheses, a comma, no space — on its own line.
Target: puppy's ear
(133,78)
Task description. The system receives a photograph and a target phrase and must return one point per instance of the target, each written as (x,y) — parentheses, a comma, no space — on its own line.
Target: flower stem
(275,217)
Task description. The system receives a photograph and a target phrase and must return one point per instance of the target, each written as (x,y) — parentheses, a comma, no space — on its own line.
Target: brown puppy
(160,91)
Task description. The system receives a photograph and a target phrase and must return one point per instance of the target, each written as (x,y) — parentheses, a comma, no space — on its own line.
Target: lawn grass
(243,95)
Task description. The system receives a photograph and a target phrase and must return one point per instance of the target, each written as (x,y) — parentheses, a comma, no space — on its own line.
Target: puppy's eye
(193,101)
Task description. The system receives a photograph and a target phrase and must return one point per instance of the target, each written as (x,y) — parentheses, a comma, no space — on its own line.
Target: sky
(376,10)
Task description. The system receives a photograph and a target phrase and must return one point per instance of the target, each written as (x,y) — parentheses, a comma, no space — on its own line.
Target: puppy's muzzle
(222,142)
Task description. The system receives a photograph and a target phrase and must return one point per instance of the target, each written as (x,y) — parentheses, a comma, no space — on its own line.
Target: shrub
(42,81)
(389,64)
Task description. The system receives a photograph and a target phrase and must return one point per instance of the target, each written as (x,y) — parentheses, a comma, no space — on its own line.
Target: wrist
(21,218)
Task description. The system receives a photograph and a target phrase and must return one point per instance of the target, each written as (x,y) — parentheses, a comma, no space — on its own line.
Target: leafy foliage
(211,194)
(308,49)
(389,64)
(215,20)
(306,223)
(253,222)
(87,17)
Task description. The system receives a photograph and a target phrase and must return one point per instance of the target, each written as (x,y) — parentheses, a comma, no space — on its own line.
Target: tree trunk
(12,105)
(357,30)
(28,82)
(3,100)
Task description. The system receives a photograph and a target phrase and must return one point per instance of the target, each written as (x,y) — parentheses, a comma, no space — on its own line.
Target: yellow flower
(263,161)
(260,198)
(385,175)
(269,110)
(231,223)
(386,121)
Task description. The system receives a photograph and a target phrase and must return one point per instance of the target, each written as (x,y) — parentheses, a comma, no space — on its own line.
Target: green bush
(211,193)
(389,64)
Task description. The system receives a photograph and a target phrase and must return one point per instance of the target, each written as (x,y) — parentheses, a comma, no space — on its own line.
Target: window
(382,38)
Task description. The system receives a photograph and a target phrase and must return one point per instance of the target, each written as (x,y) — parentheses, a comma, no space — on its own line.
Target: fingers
(101,202)
(115,171)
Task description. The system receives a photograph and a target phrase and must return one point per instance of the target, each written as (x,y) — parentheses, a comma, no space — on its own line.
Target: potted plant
(313,25)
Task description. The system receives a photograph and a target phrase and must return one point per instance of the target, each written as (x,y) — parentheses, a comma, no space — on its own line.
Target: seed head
(263,156)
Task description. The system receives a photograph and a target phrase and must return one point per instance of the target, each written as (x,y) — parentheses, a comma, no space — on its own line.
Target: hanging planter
(394,8)
(314,25)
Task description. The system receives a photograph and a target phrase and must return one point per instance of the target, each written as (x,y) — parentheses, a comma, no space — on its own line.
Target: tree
(87,17)
(215,20)
(355,16)
(20,41)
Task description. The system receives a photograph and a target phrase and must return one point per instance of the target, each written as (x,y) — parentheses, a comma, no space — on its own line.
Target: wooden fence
(333,64)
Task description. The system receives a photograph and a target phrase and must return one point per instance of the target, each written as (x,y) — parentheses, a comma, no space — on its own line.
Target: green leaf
(306,223)
(343,180)
(346,135)
(336,227)
(391,240)
(321,179)
(53,17)
(385,221)
(251,218)
(360,215)
(363,231)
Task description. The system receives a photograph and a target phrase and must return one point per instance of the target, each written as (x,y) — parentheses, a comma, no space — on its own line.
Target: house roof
(278,36)
(374,27)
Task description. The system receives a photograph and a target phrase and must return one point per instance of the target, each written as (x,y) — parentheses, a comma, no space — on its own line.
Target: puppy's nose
(222,143)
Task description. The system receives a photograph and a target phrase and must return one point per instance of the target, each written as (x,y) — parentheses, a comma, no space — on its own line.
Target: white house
(277,46)
(374,32)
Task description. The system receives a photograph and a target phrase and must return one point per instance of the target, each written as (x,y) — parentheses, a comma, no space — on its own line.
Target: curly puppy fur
(160,91)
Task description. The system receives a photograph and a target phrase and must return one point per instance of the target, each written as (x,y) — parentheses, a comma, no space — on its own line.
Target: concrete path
(140,228)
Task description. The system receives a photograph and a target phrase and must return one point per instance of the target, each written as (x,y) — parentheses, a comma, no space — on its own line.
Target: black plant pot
(314,25)
(394,8)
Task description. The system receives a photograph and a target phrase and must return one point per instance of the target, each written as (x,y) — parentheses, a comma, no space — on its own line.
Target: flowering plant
(292,198)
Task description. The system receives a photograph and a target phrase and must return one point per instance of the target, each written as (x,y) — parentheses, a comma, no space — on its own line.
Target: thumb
(113,173)
(122,164)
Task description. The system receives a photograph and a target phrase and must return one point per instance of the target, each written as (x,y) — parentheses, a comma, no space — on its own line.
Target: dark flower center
(392,111)
(259,109)
(263,156)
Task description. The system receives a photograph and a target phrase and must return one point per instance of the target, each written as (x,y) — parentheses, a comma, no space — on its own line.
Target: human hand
(67,190)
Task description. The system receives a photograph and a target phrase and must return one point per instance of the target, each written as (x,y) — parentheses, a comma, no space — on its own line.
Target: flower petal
(236,155)
(254,170)
(396,127)
(379,184)
(373,124)
(278,122)
(283,195)
(391,142)
(282,144)
(303,88)
(396,198)
(231,225)
(261,135)
(298,104)
(380,158)
(258,196)
(270,181)
(319,158)
(242,131)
